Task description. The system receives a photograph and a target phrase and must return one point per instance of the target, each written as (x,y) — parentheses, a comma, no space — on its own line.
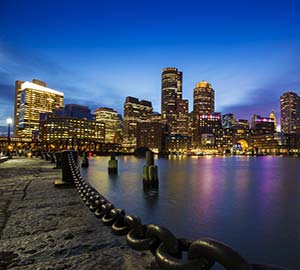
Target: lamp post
(8,121)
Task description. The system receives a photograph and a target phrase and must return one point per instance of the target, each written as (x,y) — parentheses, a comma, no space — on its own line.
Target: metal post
(67,177)
(85,160)
(58,160)
(8,137)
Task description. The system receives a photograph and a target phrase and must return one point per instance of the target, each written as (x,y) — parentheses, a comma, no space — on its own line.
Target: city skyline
(99,59)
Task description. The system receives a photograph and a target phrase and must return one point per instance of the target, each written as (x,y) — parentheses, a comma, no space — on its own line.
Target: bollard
(58,160)
(145,173)
(67,177)
(85,161)
(149,158)
(52,157)
(113,164)
(47,156)
(150,171)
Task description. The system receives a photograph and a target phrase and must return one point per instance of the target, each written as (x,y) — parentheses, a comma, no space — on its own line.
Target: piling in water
(113,164)
(150,171)
(85,161)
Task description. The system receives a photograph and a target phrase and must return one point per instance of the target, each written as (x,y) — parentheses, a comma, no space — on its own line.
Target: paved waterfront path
(46,228)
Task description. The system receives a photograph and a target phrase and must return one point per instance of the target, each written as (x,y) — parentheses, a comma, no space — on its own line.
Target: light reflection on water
(251,203)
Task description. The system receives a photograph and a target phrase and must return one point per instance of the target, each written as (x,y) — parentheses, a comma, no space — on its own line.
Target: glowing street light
(8,121)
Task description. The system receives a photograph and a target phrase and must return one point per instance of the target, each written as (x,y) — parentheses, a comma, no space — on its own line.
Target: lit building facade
(177,144)
(264,144)
(209,131)
(182,118)
(31,99)
(227,140)
(154,117)
(204,98)
(112,123)
(62,128)
(174,109)
(242,137)
(151,135)
(135,111)
(293,143)
(290,113)
(262,125)
(272,115)
(171,91)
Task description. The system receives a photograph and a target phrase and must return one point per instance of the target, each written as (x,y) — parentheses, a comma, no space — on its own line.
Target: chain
(168,250)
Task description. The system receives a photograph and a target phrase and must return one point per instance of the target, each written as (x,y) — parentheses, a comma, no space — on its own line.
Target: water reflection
(151,196)
(253,204)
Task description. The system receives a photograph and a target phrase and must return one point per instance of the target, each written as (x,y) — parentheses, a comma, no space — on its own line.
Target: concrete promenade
(46,228)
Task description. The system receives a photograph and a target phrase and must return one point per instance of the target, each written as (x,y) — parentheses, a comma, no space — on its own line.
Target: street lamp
(8,121)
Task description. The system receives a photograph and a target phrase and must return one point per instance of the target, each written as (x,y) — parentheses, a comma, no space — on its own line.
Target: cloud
(6,102)
(98,95)
(7,92)
(78,87)
(266,97)
(24,63)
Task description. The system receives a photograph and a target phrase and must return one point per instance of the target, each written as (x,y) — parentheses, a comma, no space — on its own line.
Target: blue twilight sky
(99,52)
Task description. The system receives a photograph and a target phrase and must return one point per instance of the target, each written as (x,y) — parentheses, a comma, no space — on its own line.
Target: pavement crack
(25,189)
(4,215)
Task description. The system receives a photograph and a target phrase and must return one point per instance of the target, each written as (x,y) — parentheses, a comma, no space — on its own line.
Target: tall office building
(31,99)
(290,113)
(18,90)
(204,98)
(171,90)
(135,111)
(182,123)
(112,123)
(174,109)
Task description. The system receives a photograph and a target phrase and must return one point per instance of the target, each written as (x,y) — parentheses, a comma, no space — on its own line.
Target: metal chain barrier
(168,250)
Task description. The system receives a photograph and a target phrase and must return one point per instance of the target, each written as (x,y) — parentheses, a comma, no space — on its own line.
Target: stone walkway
(46,228)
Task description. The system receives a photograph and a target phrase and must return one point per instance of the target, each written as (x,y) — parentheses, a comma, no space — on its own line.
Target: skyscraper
(31,99)
(204,98)
(171,90)
(182,117)
(174,109)
(290,113)
(18,90)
